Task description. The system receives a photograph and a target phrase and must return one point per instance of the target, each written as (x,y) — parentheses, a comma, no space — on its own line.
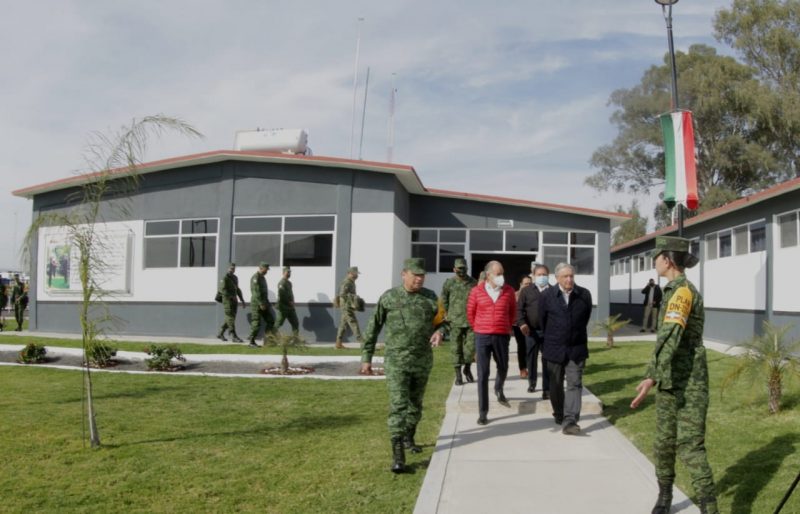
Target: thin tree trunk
(94,435)
(609,340)
(774,394)
(284,362)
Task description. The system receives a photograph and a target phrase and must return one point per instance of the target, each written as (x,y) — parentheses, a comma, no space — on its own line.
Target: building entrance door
(515,265)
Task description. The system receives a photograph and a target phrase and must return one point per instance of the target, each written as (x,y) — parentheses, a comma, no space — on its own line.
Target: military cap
(263,264)
(460,263)
(353,269)
(231,264)
(675,244)
(415,265)
(287,268)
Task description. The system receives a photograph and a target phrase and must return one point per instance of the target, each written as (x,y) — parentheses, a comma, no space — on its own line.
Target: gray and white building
(192,215)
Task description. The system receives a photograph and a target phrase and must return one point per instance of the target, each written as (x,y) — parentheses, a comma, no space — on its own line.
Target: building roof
(407,176)
(741,203)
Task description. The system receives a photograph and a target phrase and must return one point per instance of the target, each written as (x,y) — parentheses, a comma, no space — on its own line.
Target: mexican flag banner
(679,159)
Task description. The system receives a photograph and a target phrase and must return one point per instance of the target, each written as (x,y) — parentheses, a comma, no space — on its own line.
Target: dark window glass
(522,241)
(582,238)
(583,261)
(553,255)
(694,247)
(250,250)
(427,252)
(307,249)
(758,237)
(453,236)
(198,252)
(199,226)
(486,240)
(161,252)
(423,236)
(627,266)
(257,225)
(554,238)
(740,239)
(788,224)
(448,255)
(309,224)
(161,228)
(725,244)
(711,247)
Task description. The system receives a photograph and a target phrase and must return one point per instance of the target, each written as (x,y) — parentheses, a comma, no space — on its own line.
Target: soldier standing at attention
(679,372)
(286,302)
(455,292)
(259,304)
(347,299)
(229,290)
(407,312)
(17,293)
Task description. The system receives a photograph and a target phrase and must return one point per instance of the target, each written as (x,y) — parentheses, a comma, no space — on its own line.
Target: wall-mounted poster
(58,263)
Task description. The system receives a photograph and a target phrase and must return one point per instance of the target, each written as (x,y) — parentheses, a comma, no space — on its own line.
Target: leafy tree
(111,176)
(608,326)
(631,229)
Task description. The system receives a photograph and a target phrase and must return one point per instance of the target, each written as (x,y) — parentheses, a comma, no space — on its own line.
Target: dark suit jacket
(528,306)
(657,295)
(564,326)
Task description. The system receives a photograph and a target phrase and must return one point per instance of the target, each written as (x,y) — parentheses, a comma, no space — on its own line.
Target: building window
(486,240)
(741,240)
(427,252)
(522,241)
(788,229)
(758,236)
(725,244)
(299,241)
(188,243)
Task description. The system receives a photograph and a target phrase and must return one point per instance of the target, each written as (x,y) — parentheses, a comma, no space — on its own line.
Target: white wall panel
(786,280)
(402,248)
(309,284)
(372,250)
(619,285)
(736,282)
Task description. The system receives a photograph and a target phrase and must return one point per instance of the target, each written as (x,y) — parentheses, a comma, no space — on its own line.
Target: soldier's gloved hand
(366,368)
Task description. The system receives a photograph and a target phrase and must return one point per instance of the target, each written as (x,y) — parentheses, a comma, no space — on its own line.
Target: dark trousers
(566,405)
(519,337)
(486,347)
(534,343)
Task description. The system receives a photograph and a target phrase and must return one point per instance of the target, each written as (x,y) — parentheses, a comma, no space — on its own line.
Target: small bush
(32,354)
(100,354)
(162,357)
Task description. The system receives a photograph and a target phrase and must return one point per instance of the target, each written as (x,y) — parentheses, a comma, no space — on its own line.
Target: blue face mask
(541,280)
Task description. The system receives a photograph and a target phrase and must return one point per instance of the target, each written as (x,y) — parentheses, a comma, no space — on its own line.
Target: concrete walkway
(521,462)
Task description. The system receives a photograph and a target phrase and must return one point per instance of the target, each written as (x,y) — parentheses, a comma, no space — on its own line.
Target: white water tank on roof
(273,140)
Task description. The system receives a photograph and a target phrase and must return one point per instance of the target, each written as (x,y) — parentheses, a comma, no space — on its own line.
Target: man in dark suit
(652,302)
(564,313)
(528,323)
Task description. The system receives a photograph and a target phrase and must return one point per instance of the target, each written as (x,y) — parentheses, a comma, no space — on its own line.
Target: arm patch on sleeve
(679,307)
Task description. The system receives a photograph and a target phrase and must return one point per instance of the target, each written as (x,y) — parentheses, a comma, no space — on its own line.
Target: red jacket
(489,317)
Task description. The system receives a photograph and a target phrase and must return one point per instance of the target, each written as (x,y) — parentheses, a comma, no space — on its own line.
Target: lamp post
(666,9)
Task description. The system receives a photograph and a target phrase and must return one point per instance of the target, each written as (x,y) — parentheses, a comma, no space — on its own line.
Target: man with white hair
(564,313)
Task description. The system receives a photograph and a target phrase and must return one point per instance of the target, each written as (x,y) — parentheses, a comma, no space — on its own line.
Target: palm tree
(771,357)
(608,326)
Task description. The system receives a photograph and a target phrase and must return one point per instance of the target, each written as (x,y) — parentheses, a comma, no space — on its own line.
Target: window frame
(180,236)
(283,232)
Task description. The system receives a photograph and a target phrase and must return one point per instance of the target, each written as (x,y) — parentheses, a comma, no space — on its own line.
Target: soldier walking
(229,291)
(408,312)
(286,302)
(455,292)
(348,302)
(259,304)
(17,293)
(679,372)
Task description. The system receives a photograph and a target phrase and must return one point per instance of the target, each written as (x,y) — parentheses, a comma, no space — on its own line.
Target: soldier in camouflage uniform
(408,312)
(286,302)
(19,298)
(679,372)
(455,292)
(229,290)
(259,304)
(348,300)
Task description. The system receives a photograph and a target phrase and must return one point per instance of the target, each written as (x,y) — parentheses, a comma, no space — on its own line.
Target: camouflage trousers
(348,319)
(406,385)
(256,315)
(681,429)
(230,307)
(287,314)
(463,350)
(19,313)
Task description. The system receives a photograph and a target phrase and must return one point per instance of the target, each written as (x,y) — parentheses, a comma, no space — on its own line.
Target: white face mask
(499,280)
(541,280)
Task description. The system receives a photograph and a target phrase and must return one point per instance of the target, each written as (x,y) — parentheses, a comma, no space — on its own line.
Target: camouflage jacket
(229,287)
(16,291)
(454,299)
(258,290)
(347,294)
(680,332)
(285,294)
(408,318)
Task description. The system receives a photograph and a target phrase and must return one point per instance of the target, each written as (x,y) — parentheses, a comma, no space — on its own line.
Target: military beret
(415,265)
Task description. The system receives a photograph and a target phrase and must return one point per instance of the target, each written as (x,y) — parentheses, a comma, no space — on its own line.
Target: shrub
(33,353)
(100,354)
(162,357)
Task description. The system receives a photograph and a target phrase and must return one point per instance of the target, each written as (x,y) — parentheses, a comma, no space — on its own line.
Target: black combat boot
(236,339)
(398,455)
(664,501)
(709,505)
(221,336)
(468,374)
(408,441)
(459,378)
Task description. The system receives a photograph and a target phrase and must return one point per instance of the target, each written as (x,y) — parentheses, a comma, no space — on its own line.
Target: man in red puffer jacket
(491,311)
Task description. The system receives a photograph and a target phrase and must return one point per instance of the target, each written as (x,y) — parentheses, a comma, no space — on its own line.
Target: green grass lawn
(206,444)
(754,456)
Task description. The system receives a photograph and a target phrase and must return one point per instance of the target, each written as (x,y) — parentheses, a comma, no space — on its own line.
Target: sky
(508,100)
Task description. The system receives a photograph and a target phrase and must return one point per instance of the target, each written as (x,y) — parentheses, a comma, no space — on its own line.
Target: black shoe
(398,455)
(642,330)
(468,374)
(501,399)
(664,500)
(459,378)
(252,344)
(237,339)
(571,429)
(482,420)
(558,419)
(221,337)
(708,505)
(545,395)
(409,444)
(531,389)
